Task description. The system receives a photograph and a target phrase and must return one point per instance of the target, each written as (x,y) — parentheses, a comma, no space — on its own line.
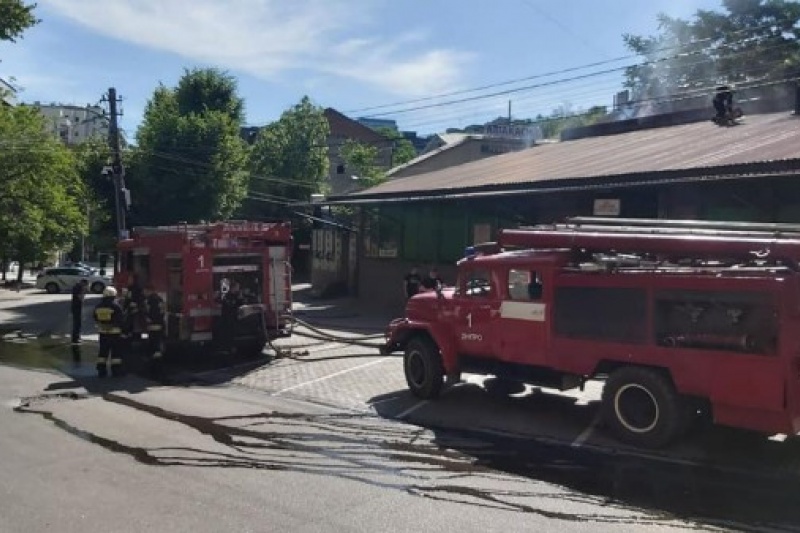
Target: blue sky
(346,54)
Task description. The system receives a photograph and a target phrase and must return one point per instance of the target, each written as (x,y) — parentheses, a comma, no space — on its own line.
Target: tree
(202,90)
(190,162)
(289,160)
(41,194)
(361,159)
(403,151)
(15,17)
(755,43)
(91,156)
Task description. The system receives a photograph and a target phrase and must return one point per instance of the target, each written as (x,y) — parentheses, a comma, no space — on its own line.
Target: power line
(552,73)
(534,86)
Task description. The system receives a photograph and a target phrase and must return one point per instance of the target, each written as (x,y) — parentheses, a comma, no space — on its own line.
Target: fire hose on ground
(319,334)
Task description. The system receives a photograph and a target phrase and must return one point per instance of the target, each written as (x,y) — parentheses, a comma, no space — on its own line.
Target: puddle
(727,498)
(42,353)
(456,466)
(442,464)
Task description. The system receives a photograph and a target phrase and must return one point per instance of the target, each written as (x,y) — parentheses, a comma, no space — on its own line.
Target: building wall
(395,238)
(380,282)
(333,262)
(74,124)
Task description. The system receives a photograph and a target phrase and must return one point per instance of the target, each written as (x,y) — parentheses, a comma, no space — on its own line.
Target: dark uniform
(134,311)
(155,313)
(109,317)
(723,104)
(231,303)
(76,308)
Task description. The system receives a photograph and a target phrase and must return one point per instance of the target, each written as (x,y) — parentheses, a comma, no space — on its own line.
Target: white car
(54,280)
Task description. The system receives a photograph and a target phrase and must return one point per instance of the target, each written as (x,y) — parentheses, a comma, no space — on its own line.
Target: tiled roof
(762,144)
(345,126)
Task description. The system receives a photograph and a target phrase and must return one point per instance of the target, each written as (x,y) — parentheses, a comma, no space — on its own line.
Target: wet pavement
(325,408)
(437,462)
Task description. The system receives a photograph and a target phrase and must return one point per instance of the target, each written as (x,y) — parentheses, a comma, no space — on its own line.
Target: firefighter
(231,302)
(726,114)
(135,309)
(109,318)
(155,311)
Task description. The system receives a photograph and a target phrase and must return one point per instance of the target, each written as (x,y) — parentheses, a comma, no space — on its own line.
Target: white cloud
(267,37)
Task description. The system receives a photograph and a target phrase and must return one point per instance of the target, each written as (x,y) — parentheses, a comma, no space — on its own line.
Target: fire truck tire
(642,407)
(423,368)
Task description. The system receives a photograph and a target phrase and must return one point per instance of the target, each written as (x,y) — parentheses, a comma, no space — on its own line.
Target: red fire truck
(193,266)
(678,318)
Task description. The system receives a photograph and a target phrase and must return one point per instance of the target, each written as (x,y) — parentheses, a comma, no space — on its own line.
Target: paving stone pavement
(333,373)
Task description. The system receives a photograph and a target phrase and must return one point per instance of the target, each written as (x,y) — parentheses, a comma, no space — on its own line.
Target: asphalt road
(326,438)
(125,455)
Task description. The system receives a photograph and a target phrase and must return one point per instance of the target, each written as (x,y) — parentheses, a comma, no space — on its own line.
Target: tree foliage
(90,157)
(565,117)
(190,162)
(16,16)
(42,197)
(289,160)
(752,42)
(403,150)
(362,160)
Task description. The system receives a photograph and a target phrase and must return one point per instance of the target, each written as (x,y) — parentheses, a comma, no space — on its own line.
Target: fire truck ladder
(667,239)
(682,227)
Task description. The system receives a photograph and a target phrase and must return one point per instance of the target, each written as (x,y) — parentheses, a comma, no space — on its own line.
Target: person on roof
(726,115)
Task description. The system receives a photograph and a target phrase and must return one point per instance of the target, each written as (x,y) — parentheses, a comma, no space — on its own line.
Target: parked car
(83,266)
(54,280)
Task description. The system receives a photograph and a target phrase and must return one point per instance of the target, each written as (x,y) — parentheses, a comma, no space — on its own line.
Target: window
(383,232)
(518,281)
(524,285)
(340,169)
(477,284)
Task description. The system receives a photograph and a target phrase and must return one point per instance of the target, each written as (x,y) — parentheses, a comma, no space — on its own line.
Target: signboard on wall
(607,207)
(388,251)
(481,233)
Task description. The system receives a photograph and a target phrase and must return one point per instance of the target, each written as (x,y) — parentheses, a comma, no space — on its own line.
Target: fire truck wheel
(423,368)
(641,407)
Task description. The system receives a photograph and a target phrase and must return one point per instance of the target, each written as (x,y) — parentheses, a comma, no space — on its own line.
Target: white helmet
(110,292)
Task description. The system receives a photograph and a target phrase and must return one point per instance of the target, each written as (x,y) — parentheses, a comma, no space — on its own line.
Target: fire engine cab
(677,317)
(192,267)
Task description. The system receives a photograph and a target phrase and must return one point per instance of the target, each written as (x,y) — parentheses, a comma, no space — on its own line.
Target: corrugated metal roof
(698,149)
(427,155)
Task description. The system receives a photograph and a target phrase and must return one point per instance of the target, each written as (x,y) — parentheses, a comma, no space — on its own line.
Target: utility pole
(117,170)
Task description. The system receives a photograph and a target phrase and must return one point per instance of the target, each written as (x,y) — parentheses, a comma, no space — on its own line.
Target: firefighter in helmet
(109,318)
(155,313)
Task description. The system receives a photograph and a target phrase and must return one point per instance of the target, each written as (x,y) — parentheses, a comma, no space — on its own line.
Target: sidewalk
(8,293)
(345,314)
